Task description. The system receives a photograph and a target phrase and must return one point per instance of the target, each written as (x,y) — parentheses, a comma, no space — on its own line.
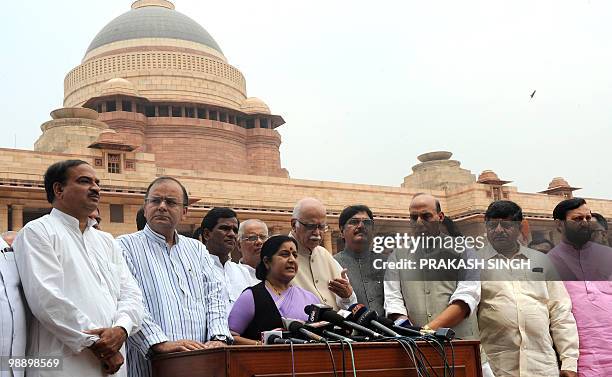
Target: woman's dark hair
(58,172)
(268,249)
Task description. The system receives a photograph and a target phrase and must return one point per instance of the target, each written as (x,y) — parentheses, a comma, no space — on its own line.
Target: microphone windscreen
(308,309)
(367,316)
(295,327)
(333,317)
(356,311)
(386,322)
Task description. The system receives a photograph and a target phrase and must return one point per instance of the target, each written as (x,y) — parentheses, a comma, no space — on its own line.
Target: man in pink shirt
(586,268)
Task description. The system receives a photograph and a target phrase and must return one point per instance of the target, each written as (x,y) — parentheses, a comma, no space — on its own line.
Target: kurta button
(429,315)
(316,281)
(427,292)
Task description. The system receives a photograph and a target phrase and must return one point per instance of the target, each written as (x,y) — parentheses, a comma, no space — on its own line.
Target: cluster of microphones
(358,324)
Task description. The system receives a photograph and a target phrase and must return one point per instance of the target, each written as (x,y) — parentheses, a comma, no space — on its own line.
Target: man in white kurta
(75,280)
(12,310)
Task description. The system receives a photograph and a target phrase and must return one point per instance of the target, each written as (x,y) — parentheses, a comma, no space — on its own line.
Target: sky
(365,87)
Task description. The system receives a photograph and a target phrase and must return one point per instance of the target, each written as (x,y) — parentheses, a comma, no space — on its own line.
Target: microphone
(333,335)
(275,339)
(370,317)
(399,329)
(298,329)
(326,313)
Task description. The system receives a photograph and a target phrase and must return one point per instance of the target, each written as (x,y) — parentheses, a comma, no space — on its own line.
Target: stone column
(3,218)
(257,123)
(17,216)
(335,237)
(327,241)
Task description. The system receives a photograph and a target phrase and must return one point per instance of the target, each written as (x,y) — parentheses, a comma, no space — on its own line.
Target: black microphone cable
(331,355)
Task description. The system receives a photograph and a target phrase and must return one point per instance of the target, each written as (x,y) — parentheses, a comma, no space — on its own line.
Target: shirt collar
(490,252)
(70,221)
(153,235)
(354,254)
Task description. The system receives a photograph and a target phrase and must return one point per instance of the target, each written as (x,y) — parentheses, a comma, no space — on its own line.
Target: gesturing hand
(341,286)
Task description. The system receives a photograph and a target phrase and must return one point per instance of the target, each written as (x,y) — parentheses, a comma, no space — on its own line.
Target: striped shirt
(182,291)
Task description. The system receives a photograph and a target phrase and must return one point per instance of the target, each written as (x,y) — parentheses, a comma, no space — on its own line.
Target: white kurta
(237,279)
(73,282)
(12,310)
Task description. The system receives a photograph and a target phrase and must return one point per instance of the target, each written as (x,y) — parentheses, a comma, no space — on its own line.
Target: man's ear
(58,189)
(559,226)
(293,221)
(184,215)
(441,215)
(205,234)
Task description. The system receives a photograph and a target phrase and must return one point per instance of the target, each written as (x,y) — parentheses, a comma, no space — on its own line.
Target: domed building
(161,81)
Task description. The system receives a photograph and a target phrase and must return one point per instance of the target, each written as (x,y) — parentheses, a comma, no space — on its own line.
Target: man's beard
(578,236)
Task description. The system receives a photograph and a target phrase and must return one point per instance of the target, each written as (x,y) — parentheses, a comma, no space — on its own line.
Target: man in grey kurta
(356,224)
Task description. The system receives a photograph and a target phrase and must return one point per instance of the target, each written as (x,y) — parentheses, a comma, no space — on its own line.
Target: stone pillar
(3,218)
(207,113)
(17,216)
(257,123)
(335,237)
(327,241)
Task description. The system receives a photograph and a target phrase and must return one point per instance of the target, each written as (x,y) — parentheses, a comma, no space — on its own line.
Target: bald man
(318,271)
(428,303)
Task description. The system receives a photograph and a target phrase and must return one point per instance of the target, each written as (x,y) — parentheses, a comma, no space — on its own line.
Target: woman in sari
(261,307)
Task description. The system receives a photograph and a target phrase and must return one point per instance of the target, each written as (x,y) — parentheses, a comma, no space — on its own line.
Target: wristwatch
(222,338)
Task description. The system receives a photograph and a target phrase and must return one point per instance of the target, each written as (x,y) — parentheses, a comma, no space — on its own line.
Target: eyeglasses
(170,202)
(506,225)
(427,217)
(255,237)
(356,221)
(311,227)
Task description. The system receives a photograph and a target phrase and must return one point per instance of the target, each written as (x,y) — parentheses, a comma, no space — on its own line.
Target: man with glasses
(183,292)
(318,271)
(357,225)
(219,230)
(524,314)
(586,268)
(252,233)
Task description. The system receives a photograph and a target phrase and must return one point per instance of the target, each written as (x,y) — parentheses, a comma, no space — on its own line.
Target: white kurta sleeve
(42,277)
(394,300)
(130,307)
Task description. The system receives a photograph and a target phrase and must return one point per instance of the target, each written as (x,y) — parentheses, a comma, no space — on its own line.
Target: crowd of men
(108,306)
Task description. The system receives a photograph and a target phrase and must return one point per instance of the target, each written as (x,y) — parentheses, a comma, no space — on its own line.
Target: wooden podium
(371,359)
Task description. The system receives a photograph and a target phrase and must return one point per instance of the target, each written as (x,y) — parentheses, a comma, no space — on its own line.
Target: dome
(253,105)
(558,182)
(153,19)
(434,156)
(488,175)
(119,86)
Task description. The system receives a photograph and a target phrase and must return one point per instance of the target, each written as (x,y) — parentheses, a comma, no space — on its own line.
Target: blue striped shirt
(182,292)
